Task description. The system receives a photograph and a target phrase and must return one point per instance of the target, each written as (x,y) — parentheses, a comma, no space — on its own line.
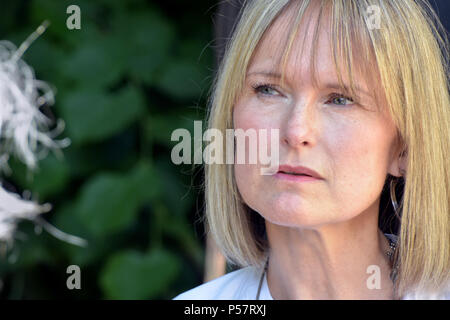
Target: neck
(340,261)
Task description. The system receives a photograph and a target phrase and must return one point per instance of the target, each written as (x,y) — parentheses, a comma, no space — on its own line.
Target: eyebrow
(330,85)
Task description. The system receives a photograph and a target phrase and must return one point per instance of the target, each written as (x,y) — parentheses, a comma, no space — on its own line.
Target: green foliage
(181,80)
(136,71)
(110,202)
(95,116)
(123,274)
(51,176)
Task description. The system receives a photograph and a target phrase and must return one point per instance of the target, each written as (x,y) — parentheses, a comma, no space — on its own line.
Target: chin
(291,216)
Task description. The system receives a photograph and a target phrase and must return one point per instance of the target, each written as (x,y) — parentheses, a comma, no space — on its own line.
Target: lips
(299,171)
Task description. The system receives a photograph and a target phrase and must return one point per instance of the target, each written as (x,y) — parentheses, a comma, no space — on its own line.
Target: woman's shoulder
(240,284)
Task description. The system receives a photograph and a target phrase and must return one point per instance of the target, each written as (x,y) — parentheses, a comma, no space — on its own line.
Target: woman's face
(350,144)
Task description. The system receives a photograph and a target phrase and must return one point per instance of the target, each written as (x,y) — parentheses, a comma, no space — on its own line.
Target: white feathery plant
(24,132)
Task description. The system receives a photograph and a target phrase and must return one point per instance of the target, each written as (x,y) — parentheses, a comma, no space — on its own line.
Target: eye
(265,89)
(340,100)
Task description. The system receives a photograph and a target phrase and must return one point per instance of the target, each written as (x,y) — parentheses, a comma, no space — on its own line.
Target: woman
(358,91)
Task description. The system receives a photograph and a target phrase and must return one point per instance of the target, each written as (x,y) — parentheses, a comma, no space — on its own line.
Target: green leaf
(95,64)
(93,116)
(146,181)
(51,176)
(109,202)
(132,275)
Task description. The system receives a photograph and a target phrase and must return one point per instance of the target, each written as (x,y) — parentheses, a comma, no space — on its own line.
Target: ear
(397,168)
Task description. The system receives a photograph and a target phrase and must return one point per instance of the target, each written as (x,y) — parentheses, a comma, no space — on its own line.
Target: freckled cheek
(250,116)
(355,152)
(253,115)
(249,183)
(242,120)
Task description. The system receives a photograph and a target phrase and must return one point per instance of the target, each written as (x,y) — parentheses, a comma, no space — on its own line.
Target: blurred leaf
(51,176)
(93,116)
(95,64)
(109,202)
(132,275)
(146,181)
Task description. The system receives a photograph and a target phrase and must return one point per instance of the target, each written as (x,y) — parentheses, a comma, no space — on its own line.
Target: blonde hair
(410,52)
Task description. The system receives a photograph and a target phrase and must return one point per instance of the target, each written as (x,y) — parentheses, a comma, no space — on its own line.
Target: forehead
(270,50)
(310,57)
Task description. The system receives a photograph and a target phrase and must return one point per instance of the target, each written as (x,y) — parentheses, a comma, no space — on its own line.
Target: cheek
(256,133)
(244,180)
(248,115)
(359,153)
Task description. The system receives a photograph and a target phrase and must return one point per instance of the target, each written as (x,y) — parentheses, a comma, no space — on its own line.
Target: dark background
(443,9)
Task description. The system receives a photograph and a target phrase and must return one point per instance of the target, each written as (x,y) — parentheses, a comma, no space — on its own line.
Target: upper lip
(299,170)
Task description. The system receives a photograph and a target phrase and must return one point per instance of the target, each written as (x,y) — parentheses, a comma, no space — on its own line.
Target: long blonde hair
(410,52)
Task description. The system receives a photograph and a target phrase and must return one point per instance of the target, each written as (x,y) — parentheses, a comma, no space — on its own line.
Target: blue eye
(340,100)
(265,89)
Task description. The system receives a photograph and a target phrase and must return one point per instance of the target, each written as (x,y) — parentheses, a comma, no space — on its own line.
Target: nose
(301,125)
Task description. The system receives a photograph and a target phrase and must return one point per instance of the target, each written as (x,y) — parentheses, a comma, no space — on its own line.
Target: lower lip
(291,177)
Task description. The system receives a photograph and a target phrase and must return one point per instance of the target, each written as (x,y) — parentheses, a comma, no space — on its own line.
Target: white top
(243,284)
